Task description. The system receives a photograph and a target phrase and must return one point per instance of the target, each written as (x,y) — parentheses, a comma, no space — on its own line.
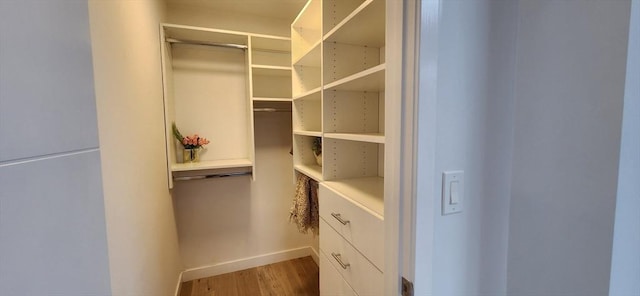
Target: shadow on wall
(213,214)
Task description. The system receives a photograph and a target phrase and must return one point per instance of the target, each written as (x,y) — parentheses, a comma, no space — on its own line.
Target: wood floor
(293,277)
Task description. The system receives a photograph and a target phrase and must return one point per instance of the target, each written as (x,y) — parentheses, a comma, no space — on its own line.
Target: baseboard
(179,284)
(245,263)
(315,255)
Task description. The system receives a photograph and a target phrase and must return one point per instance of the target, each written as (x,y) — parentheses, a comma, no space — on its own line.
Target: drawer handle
(339,259)
(337,216)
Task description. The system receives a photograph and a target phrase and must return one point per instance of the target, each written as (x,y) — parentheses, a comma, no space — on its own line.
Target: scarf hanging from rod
(304,210)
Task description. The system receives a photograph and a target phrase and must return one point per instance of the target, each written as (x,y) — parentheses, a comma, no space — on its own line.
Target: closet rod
(270,110)
(229,45)
(200,177)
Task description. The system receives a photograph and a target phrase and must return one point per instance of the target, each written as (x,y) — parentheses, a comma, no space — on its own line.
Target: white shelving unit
(213,79)
(306,64)
(338,88)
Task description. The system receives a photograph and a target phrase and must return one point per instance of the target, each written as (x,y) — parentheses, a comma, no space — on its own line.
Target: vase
(191,155)
(318,158)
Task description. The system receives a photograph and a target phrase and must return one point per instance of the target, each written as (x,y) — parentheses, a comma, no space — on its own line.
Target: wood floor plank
(223,285)
(310,272)
(186,288)
(297,277)
(269,282)
(295,280)
(201,288)
(247,282)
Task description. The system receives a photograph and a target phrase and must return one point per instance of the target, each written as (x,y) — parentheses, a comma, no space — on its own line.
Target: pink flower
(194,141)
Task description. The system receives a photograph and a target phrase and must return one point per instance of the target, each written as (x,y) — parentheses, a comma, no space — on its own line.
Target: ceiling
(282,9)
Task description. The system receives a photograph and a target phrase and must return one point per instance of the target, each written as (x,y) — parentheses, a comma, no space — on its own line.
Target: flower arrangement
(191,145)
(189,142)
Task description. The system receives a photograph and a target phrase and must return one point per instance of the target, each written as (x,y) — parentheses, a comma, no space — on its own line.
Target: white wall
(476,62)
(222,220)
(52,223)
(569,92)
(625,262)
(226,219)
(142,236)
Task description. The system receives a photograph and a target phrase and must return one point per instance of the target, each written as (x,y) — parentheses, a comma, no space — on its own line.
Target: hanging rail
(205,43)
(270,110)
(201,177)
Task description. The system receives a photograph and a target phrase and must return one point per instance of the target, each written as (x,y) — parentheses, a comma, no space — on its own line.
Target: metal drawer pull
(337,216)
(338,258)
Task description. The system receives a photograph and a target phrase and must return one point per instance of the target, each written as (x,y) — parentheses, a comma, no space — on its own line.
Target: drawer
(331,282)
(365,229)
(359,273)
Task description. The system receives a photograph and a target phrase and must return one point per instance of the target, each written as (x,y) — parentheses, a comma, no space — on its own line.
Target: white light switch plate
(452,192)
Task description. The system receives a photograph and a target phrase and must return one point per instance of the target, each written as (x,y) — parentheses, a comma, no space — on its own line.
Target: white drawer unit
(363,228)
(331,282)
(356,270)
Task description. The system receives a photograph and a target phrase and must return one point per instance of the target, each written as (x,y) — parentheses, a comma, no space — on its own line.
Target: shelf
(307,133)
(281,44)
(364,26)
(368,191)
(211,165)
(310,58)
(311,170)
(258,99)
(371,79)
(309,15)
(267,70)
(361,137)
(308,94)
(305,29)
(204,34)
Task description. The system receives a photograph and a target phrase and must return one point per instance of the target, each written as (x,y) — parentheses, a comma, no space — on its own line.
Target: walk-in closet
(288,116)
(319,147)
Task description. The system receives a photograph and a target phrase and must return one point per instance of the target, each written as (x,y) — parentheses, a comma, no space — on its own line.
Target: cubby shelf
(313,171)
(360,137)
(364,26)
(371,79)
(367,191)
(211,165)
